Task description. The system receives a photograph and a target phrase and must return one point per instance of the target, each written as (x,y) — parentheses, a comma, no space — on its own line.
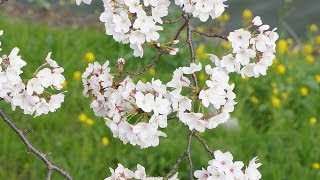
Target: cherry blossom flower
(85,1)
(30,97)
(124,104)
(252,52)
(223,167)
(124,173)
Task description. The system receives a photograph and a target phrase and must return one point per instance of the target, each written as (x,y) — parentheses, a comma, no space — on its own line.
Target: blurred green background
(276,117)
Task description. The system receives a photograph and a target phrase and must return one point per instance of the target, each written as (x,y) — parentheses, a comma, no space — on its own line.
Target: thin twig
(210,35)
(160,53)
(191,47)
(183,44)
(146,68)
(203,142)
(42,156)
(172,21)
(175,37)
(189,155)
(49,174)
(175,166)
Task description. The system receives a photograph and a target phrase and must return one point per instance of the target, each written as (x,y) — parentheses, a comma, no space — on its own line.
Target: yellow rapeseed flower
(152,71)
(304,91)
(202,77)
(64,84)
(317,38)
(313,121)
(274,84)
(226,44)
(247,15)
(315,165)
(201,52)
(275,62)
(310,58)
(143,79)
(224,18)
(76,75)
(281,69)
(290,41)
(89,57)
(275,91)
(284,95)
(82,117)
(317,78)
(250,90)
(276,102)
(254,100)
(307,49)
(201,28)
(282,46)
(105,141)
(89,122)
(313,28)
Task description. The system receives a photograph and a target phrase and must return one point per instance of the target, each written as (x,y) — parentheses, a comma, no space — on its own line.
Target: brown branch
(210,35)
(188,152)
(42,156)
(203,142)
(172,21)
(175,166)
(146,68)
(191,47)
(175,37)
(157,58)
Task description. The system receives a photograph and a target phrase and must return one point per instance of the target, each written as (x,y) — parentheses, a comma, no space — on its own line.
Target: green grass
(282,137)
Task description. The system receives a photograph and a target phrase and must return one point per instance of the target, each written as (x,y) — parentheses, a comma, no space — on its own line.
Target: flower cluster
(203,9)
(252,52)
(139,21)
(217,100)
(134,22)
(31,95)
(124,173)
(223,167)
(134,112)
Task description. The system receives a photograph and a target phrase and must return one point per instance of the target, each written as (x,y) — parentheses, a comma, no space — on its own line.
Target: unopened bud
(121,61)
(175,41)
(120,64)
(173,51)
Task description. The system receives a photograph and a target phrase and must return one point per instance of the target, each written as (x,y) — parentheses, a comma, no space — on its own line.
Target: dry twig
(42,156)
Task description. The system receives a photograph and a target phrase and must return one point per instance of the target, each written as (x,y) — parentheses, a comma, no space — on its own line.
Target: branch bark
(210,35)
(188,152)
(42,156)
(204,143)
(191,47)
(160,53)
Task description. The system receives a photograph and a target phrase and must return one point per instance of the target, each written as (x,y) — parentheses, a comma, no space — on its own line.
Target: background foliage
(276,116)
